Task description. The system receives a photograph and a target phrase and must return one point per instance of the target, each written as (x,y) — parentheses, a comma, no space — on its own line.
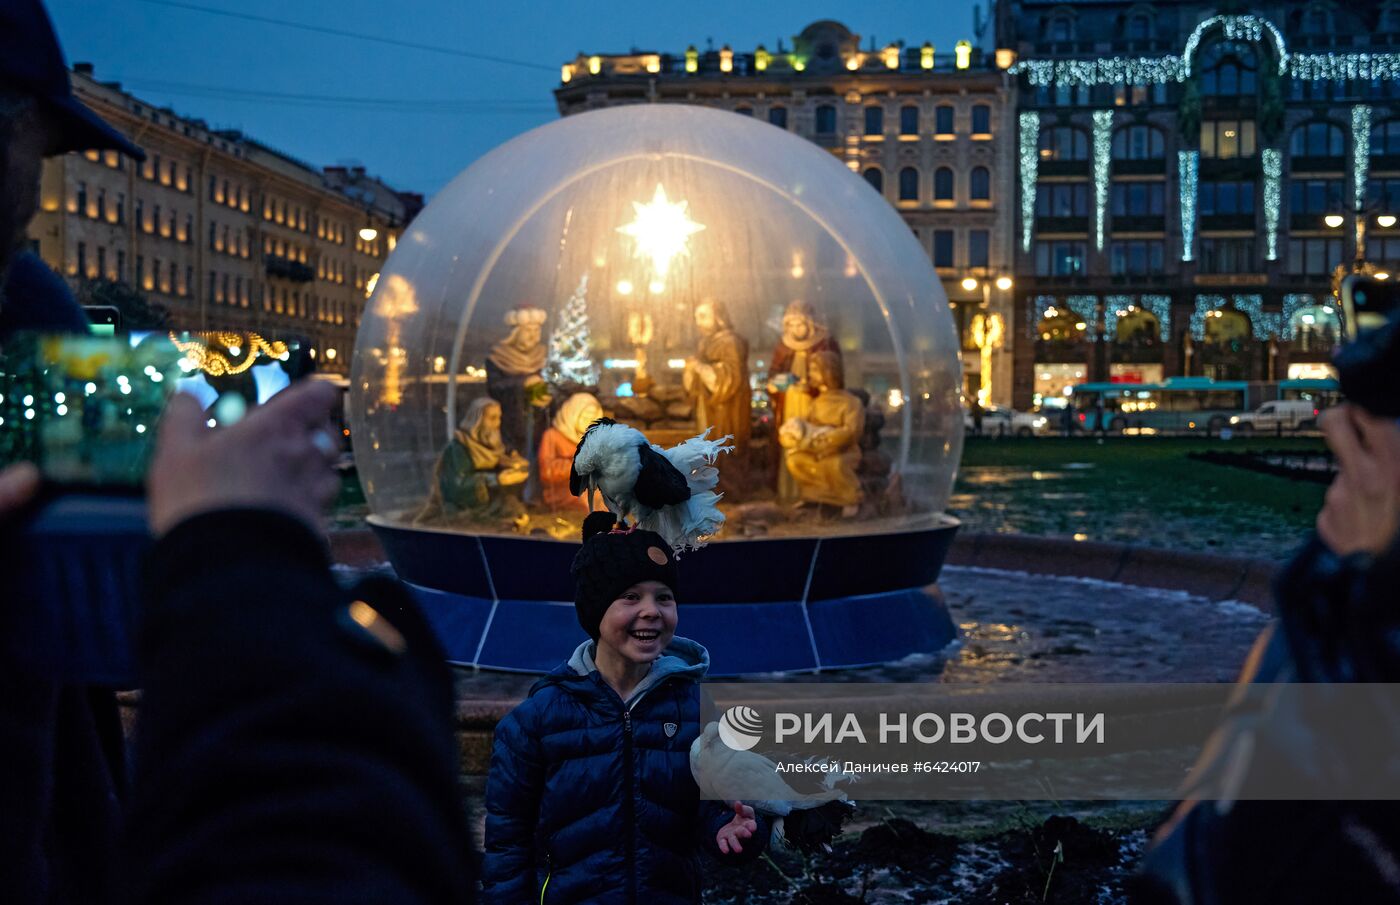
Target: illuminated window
(1227,139)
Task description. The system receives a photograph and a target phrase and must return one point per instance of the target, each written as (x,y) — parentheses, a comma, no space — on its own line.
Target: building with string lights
(1190,177)
(931,129)
(223,231)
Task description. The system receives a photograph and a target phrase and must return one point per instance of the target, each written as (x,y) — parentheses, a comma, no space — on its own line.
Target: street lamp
(1004,283)
(969,283)
(1333,221)
(1385,221)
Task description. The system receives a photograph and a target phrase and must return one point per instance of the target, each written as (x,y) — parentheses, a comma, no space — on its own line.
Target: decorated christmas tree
(570,346)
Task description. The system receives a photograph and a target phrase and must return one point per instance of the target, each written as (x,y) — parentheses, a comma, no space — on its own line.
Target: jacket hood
(682,658)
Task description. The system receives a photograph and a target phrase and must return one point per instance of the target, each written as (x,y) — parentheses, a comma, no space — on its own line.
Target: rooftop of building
(350,182)
(822,49)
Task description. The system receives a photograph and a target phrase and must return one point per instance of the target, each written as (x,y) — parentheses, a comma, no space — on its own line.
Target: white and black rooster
(669,491)
(805,819)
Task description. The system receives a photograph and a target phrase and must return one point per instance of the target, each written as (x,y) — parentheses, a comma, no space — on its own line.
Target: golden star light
(662,230)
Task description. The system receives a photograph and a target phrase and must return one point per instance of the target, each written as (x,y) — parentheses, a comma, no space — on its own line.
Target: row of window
(232,241)
(979,243)
(979,183)
(1308,197)
(175,174)
(1227,82)
(279,300)
(943,120)
(97,206)
(224,288)
(1305,256)
(1220,138)
(231,194)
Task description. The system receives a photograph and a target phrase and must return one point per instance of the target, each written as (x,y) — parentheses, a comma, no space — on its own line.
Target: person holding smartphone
(294,738)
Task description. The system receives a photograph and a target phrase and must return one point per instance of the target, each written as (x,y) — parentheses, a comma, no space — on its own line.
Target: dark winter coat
(591,800)
(295,739)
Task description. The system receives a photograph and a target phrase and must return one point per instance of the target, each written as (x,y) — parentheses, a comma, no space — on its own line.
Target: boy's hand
(742,826)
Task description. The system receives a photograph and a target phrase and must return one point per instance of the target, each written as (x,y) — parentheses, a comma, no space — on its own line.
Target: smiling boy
(590,796)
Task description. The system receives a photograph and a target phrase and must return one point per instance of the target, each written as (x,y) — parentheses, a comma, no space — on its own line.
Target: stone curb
(1208,575)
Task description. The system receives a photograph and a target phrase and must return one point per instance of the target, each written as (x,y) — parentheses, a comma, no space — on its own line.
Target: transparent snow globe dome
(602,237)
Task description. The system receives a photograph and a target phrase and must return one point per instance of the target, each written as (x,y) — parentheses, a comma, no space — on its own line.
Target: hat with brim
(31,63)
(80,129)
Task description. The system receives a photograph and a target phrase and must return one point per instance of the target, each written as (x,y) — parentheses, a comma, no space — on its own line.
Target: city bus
(1184,404)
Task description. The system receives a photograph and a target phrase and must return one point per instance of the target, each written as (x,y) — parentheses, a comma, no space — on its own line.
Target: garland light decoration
(1308,67)
(1188,167)
(1273,181)
(1103,143)
(1161,308)
(1361,151)
(1030,168)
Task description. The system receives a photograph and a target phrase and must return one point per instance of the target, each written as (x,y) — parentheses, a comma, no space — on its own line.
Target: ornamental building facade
(930,129)
(1190,177)
(223,231)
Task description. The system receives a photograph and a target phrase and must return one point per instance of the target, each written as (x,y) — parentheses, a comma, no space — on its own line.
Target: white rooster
(805,821)
(669,491)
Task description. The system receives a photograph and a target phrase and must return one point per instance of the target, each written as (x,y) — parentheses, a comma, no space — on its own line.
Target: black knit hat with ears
(611,562)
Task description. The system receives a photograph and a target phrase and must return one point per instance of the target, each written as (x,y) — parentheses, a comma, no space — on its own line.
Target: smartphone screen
(104,320)
(1367,303)
(85,408)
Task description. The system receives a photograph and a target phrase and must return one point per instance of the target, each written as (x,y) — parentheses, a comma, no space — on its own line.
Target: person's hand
(279,458)
(18,484)
(1362,511)
(742,826)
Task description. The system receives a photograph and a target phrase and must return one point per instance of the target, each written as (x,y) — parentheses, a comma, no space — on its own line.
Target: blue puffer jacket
(591,800)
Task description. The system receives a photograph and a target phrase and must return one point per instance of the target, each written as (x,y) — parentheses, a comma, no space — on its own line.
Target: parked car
(1288,414)
(1001,422)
